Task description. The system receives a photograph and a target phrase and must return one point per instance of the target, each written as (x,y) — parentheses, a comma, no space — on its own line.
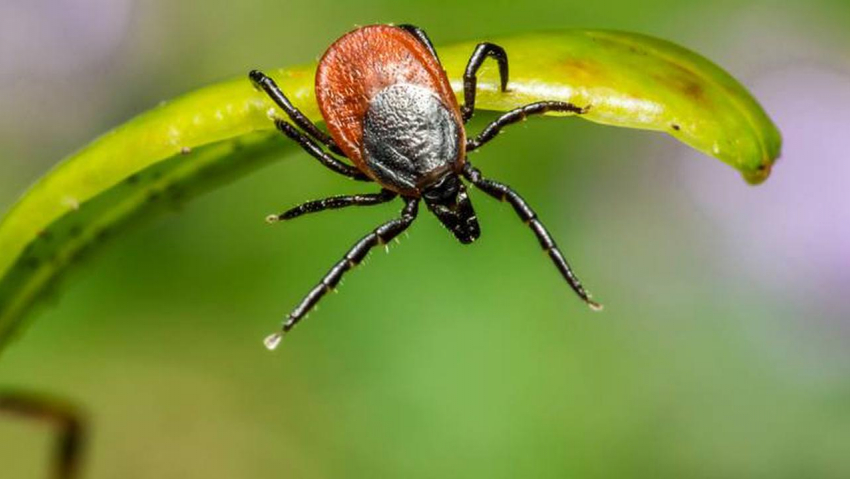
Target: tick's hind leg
(519,114)
(318,153)
(528,216)
(265,83)
(64,417)
(381,235)
(332,203)
(306,142)
(470,80)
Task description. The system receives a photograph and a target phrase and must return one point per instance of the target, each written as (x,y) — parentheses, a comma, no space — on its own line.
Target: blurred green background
(722,351)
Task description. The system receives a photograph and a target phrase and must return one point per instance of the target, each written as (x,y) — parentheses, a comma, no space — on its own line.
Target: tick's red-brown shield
(360,65)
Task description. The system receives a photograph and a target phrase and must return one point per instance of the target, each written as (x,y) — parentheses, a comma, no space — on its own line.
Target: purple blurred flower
(49,36)
(792,234)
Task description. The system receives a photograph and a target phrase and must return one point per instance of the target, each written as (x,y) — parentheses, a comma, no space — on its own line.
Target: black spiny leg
(265,83)
(505,193)
(381,235)
(470,82)
(66,419)
(421,36)
(332,203)
(318,153)
(519,114)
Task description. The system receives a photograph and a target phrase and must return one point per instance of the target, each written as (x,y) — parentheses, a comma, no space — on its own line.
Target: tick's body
(389,106)
(390,109)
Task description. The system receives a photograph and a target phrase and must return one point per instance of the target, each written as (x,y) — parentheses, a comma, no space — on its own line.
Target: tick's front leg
(504,193)
(381,235)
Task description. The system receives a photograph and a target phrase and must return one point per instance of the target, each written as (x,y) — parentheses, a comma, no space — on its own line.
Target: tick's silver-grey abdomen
(410,138)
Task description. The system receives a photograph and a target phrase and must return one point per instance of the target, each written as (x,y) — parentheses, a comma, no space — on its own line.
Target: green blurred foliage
(437,360)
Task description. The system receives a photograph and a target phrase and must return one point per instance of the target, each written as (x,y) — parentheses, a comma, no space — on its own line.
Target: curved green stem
(212,135)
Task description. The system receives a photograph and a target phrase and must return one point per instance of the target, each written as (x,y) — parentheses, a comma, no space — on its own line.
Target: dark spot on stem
(694,90)
(584,69)
(32,262)
(174,192)
(102,235)
(683,80)
(78,254)
(675,127)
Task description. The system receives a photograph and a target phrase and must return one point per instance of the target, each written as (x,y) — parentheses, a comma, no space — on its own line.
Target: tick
(390,110)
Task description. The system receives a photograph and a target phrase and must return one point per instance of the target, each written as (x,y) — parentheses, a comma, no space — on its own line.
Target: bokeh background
(722,352)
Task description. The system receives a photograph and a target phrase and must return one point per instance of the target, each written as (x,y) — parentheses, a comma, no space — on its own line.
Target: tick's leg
(65,418)
(529,217)
(519,114)
(421,36)
(318,153)
(470,82)
(332,203)
(381,235)
(265,83)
